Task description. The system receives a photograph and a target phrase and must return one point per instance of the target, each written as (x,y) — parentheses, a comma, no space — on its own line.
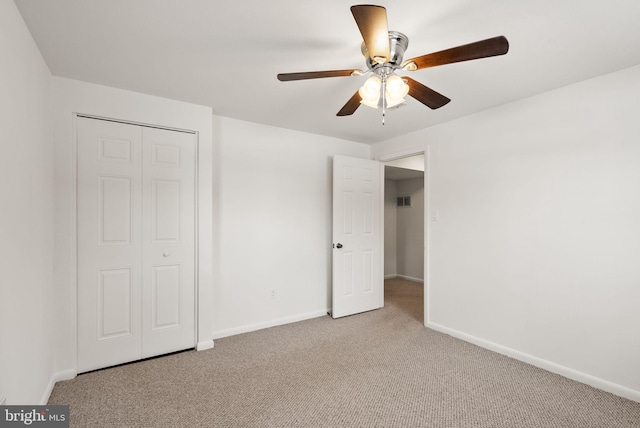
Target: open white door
(357,250)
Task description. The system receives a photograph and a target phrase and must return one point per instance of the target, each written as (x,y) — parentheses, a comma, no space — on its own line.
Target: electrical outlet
(3,400)
(273,294)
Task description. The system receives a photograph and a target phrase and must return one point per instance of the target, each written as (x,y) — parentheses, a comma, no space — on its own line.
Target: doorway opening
(404,229)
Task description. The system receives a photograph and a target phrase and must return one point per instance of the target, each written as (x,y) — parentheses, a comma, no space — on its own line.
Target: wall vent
(404,201)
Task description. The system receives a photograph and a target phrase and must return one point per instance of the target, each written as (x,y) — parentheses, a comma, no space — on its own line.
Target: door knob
(339,245)
(166,254)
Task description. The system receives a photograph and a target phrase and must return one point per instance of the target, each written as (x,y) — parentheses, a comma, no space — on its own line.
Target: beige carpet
(378,369)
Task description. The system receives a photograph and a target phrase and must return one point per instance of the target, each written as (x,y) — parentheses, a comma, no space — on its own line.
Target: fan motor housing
(398,44)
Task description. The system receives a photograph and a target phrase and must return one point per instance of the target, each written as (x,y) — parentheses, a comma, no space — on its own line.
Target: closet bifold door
(135,242)
(168,253)
(109,239)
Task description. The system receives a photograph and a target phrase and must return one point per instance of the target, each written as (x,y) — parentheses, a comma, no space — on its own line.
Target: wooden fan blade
(285,77)
(372,22)
(481,49)
(426,96)
(351,106)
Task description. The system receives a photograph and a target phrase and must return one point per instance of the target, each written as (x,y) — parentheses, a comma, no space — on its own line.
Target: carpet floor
(378,369)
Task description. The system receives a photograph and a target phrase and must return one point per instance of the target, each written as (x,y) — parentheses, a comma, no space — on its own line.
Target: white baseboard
(56,377)
(204,345)
(408,278)
(259,326)
(567,372)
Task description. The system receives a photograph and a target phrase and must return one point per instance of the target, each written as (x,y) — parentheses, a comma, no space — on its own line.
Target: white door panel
(357,256)
(169,243)
(109,243)
(136,242)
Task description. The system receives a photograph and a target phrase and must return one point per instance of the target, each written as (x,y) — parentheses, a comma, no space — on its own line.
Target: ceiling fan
(384,51)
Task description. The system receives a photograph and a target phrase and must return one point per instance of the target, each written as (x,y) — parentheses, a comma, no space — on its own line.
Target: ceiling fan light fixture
(370,91)
(395,91)
(396,88)
(393,103)
(369,103)
(410,66)
(384,53)
(380,59)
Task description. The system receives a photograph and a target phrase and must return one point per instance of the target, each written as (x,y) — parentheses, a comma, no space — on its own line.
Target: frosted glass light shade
(370,92)
(396,90)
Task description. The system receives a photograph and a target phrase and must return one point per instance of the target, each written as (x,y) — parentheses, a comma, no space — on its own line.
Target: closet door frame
(74,256)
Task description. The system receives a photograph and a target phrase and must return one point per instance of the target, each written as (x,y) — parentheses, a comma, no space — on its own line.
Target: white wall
(390,225)
(26,215)
(274,224)
(536,250)
(71,96)
(404,229)
(410,230)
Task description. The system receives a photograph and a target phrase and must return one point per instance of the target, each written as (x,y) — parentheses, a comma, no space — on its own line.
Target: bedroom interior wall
(390,224)
(72,96)
(535,251)
(410,230)
(404,230)
(274,224)
(26,217)
(565,183)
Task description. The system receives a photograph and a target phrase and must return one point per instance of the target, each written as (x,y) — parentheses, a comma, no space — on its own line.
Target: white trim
(410,278)
(129,122)
(427,234)
(402,154)
(272,323)
(427,219)
(203,346)
(381,234)
(392,276)
(56,377)
(197,328)
(74,234)
(567,372)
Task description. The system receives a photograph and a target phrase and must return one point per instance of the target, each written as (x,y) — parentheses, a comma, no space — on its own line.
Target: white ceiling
(395,173)
(226,54)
